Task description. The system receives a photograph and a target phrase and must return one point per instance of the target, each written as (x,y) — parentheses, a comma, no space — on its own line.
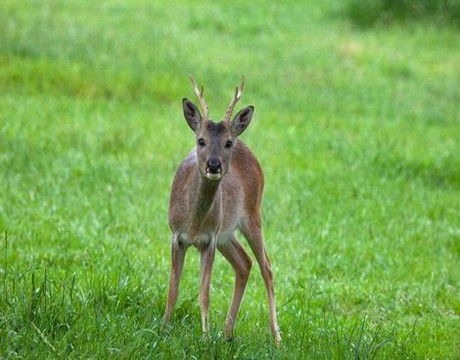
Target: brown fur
(216,191)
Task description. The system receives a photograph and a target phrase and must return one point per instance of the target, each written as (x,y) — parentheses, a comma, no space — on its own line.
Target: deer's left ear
(242,119)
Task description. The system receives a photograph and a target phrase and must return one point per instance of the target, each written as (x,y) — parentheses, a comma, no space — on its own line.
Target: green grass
(380,12)
(358,132)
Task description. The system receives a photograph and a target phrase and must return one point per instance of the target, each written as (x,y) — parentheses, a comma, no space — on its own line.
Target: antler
(236,97)
(199,94)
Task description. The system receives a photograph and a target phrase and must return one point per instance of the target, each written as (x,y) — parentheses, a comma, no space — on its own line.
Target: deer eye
(201,142)
(229,144)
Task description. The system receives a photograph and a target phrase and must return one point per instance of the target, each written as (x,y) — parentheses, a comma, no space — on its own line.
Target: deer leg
(177,263)
(207,260)
(241,263)
(253,234)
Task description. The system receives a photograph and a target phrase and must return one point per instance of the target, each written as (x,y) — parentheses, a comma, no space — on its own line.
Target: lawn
(357,129)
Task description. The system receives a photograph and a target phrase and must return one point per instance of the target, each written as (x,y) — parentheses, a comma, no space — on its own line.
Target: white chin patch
(213,177)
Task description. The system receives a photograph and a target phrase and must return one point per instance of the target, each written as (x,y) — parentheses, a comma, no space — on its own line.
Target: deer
(217,191)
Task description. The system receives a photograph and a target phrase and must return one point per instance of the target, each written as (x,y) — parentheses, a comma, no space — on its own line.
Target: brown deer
(216,191)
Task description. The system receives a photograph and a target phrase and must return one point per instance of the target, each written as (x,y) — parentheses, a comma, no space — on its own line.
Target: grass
(358,134)
(377,12)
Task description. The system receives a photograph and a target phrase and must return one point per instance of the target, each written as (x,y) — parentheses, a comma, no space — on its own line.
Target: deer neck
(205,202)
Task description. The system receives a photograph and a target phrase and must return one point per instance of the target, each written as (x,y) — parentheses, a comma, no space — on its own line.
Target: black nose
(214,166)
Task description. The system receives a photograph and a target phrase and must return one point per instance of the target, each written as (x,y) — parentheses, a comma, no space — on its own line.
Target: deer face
(215,141)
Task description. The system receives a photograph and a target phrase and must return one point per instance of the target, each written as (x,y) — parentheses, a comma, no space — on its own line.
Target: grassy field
(358,132)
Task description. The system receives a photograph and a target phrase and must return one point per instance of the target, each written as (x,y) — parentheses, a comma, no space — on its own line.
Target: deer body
(202,210)
(216,191)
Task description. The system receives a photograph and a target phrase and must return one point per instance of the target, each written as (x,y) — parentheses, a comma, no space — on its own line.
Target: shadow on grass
(369,13)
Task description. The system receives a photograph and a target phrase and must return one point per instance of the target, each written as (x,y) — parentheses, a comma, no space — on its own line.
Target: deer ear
(242,119)
(191,114)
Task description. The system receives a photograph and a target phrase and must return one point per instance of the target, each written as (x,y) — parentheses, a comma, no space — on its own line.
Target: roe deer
(217,190)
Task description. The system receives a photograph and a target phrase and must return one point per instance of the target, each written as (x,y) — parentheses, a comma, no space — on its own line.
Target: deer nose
(214,165)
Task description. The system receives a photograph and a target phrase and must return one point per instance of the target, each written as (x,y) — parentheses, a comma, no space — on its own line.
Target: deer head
(215,140)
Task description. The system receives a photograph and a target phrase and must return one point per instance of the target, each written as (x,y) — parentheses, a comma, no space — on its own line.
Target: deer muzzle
(214,169)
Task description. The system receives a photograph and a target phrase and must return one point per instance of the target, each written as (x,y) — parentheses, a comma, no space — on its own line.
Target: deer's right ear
(191,114)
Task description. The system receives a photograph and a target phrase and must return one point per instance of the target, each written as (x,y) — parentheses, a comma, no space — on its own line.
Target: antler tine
(199,94)
(235,99)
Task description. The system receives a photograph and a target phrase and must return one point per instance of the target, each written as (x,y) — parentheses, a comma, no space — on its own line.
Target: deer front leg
(207,260)
(241,263)
(177,263)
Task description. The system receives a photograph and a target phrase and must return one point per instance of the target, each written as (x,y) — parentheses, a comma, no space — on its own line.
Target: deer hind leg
(253,233)
(241,263)
(177,263)
(207,260)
